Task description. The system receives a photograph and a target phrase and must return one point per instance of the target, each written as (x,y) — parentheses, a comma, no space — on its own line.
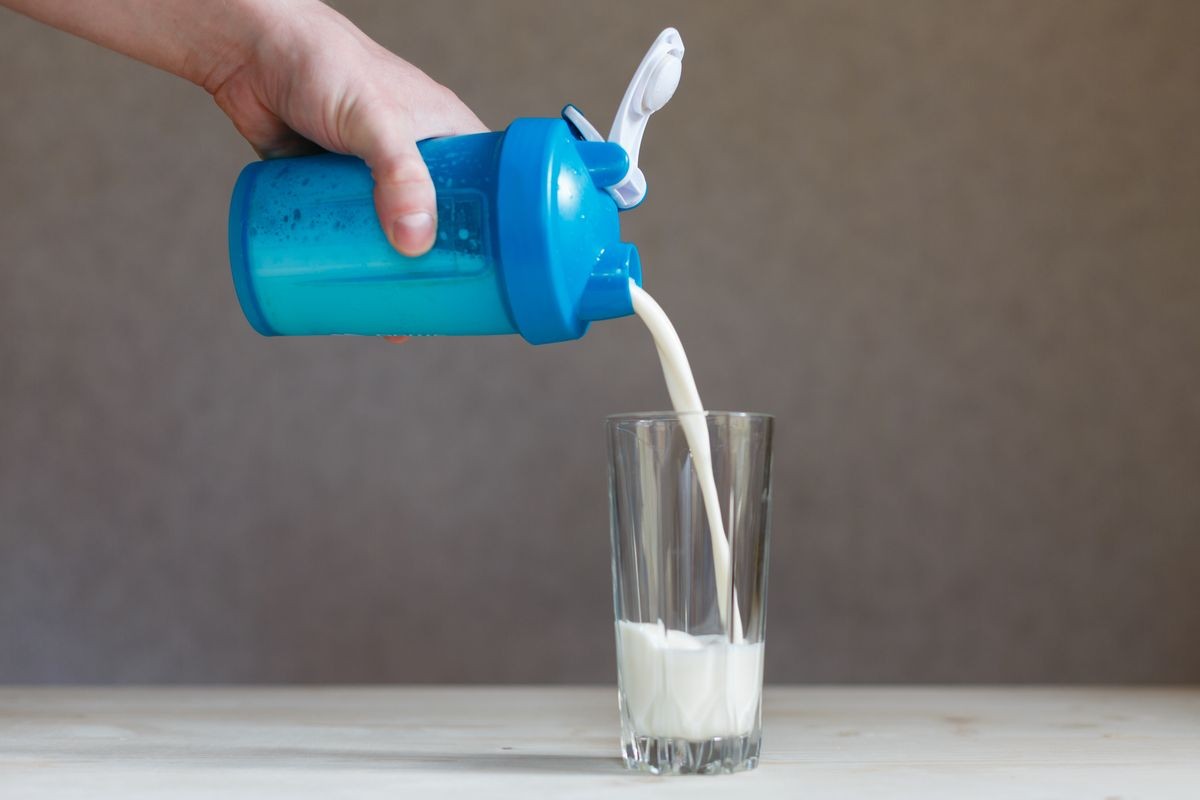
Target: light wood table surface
(542,742)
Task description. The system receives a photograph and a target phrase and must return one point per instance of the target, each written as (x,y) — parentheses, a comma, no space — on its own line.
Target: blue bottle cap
(563,259)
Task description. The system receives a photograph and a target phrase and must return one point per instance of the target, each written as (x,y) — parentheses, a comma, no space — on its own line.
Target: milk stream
(681,386)
(675,684)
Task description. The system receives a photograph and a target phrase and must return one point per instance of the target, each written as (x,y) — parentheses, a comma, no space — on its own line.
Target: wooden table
(539,742)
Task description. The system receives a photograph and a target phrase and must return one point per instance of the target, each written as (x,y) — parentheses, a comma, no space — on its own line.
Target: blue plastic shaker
(528,237)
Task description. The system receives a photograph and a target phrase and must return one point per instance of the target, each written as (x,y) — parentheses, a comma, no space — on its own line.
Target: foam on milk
(675,684)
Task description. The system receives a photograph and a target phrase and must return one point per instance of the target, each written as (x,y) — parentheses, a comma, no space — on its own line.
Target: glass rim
(659,416)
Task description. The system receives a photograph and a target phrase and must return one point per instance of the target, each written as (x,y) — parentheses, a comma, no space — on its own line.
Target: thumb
(404,197)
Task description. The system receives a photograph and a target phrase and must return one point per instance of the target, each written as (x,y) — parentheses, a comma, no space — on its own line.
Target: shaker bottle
(528,237)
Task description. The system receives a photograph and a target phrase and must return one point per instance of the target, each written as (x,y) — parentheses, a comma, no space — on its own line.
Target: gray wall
(955,247)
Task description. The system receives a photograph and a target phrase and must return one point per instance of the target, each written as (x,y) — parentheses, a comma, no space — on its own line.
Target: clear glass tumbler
(690,631)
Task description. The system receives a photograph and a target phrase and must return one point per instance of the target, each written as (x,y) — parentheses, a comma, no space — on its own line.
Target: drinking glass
(690,636)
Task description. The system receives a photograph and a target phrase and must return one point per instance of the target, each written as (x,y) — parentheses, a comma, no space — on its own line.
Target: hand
(312,80)
(295,76)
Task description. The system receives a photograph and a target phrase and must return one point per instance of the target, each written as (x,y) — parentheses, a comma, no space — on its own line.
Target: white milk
(676,684)
(689,687)
(681,386)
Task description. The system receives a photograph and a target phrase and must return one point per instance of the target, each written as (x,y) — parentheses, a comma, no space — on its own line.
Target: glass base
(666,756)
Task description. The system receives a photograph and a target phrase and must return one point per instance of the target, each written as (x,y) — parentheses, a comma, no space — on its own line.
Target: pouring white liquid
(675,684)
(681,386)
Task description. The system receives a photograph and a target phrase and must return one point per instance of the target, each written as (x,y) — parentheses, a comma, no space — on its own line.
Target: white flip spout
(653,84)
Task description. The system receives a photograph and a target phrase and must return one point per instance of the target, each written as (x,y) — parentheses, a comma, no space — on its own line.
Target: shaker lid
(564,264)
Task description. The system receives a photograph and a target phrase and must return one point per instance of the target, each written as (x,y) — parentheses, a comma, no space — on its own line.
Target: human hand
(308,79)
(295,76)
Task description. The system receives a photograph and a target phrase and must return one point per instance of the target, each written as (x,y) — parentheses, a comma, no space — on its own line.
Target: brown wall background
(955,247)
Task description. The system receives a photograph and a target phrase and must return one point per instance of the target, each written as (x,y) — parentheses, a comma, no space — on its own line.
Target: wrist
(270,32)
(237,36)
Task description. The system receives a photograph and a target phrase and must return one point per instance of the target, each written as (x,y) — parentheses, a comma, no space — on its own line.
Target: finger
(269,135)
(404,196)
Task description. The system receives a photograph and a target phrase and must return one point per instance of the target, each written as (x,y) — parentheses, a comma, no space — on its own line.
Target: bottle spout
(606,295)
